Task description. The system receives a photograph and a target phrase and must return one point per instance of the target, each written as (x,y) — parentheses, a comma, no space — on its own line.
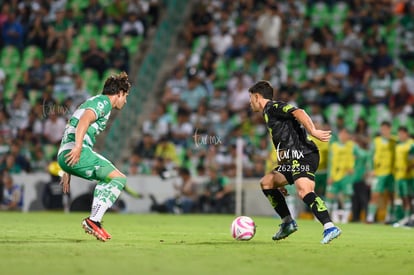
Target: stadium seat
(339,11)
(353,113)
(109,72)
(78,4)
(332,112)
(105,42)
(132,43)
(81,42)
(110,29)
(320,14)
(10,57)
(74,58)
(32,51)
(89,30)
(91,79)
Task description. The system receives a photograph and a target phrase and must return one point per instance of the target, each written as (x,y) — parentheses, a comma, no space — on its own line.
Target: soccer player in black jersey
(298,159)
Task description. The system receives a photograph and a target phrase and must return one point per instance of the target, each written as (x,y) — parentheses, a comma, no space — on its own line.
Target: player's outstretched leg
(285,230)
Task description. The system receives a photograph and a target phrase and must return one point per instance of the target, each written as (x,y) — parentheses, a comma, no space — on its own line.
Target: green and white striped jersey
(102,107)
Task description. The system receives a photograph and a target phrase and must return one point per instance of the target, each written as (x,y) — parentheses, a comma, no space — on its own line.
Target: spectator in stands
(37,77)
(201,23)
(186,194)
(402,77)
(336,79)
(200,119)
(146,148)
(38,159)
(79,93)
(217,195)
(12,197)
(238,47)
(116,11)
(137,166)
(94,58)
(54,127)
(355,92)
(94,13)
(63,75)
(379,87)
(21,156)
(401,102)
(154,126)
(183,130)
(6,130)
(174,86)
(37,32)
(237,87)
(289,91)
(60,28)
(382,59)
(276,69)
(133,25)
(223,126)
(350,45)
(4,13)
(269,25)
(118,56)
(221,40)
(19,109)
(13,32)
(195,92)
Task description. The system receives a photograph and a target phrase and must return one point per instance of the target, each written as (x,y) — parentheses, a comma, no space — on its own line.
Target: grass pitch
(54,243)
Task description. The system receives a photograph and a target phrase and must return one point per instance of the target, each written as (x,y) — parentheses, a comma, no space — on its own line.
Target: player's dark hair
(184,171)
(403,128)
(386,123)
(263,88)
(116,83)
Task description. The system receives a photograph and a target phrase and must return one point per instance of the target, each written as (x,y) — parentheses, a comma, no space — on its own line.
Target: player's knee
(267,182)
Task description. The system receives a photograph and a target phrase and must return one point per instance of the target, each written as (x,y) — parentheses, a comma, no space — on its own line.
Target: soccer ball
(243,228)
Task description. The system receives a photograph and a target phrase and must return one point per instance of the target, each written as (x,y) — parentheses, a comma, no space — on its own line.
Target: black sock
(277,200)
(318,207)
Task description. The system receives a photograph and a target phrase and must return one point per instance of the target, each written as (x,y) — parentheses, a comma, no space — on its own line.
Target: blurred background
(347,63)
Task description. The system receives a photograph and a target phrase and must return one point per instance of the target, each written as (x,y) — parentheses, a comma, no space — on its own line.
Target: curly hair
(116,83)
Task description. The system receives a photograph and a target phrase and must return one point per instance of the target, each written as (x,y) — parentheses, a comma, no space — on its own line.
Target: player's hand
(65,181)
(73,156)
(322,135)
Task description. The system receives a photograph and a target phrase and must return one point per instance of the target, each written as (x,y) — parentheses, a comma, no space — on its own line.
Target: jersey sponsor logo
(283,154)
(287,108)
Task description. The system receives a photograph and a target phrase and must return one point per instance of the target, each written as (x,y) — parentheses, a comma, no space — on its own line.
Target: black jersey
(288,135)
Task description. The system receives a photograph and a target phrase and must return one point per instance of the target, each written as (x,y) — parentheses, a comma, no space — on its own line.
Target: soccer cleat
(285,230)
(330,234)
(108,236)
(95,229)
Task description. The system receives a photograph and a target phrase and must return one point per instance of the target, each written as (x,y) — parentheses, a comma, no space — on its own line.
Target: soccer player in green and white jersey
(76,156)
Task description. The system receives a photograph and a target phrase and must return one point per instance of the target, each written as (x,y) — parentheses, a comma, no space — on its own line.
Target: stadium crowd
(345,62)
(348,63)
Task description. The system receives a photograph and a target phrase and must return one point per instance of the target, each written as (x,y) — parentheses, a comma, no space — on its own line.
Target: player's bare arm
(307,122)
(86,119)
(65,181)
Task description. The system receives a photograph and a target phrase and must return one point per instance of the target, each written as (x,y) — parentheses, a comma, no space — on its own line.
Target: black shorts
(298,168)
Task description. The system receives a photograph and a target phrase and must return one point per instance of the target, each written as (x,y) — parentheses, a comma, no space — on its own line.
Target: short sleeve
(283,109)
(99,105)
